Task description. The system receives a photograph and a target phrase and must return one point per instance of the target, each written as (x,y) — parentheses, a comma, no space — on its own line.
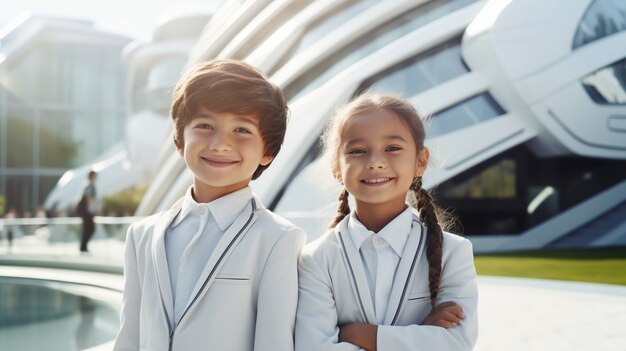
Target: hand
(446,315)
(362,335)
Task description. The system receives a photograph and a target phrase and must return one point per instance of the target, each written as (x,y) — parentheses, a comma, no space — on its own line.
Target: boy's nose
(220,142)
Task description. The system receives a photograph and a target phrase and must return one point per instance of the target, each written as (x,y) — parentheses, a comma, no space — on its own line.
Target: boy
(217,271)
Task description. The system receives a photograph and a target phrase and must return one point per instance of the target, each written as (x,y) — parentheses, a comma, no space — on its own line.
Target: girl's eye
(242,130)
(393,148)
(356,151)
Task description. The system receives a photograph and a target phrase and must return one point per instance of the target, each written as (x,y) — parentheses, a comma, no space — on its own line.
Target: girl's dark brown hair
(430,215)
(235,87)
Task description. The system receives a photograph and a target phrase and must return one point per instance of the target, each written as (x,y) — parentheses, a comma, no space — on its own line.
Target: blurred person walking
(86,209)
(10,226)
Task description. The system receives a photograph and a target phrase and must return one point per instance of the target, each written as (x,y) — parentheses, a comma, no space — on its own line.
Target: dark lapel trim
(159,261)
(354,281)
(410,277)
(219,261)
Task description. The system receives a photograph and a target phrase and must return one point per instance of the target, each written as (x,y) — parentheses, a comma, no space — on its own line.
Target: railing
(55,242)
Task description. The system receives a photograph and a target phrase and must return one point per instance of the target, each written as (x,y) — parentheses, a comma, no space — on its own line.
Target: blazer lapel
(159,258)
(224,247)
(356,271)
(405,273)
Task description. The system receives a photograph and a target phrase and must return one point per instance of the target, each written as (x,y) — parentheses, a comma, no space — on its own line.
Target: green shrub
(125,202)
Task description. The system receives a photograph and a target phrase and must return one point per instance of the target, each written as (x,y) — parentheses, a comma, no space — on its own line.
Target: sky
(134,18)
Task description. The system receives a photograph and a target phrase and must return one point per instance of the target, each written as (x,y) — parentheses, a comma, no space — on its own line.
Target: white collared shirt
(192,237)
(380,254)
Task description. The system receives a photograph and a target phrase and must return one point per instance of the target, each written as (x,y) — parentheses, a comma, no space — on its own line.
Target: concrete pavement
(514,313)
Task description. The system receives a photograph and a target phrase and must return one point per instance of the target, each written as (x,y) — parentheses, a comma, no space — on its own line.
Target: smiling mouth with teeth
(376,180)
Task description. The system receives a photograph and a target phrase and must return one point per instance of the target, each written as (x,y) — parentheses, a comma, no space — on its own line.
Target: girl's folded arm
(458,284)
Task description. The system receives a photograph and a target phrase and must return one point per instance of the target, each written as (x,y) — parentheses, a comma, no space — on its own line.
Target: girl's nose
(375,161)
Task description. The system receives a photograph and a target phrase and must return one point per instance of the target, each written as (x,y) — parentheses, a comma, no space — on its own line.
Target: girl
(376,280)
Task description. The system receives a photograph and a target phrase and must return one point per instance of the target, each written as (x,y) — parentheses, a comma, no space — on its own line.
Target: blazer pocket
(239,279)
(416,309)
(419,297)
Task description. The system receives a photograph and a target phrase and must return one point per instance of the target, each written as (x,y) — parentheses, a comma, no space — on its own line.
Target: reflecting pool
(48,315)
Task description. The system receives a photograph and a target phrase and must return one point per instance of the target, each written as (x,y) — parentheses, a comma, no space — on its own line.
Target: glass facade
(472,111)
(506,195)
(422,72)
(607,86)
(602,18)
(62,104)
(370,42)
(428,70)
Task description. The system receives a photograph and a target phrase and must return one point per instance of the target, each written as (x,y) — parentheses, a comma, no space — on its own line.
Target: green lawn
(588,265)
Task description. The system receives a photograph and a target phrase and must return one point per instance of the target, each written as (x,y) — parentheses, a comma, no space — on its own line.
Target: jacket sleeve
(128,337)
(458,284)
(316,320)
(278,294)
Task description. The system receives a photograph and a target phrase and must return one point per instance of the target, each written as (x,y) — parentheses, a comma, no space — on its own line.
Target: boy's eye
(204,126)
(393,148)
(242,130)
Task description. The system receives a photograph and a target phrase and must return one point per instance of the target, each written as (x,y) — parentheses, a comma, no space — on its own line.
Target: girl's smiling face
(378,159)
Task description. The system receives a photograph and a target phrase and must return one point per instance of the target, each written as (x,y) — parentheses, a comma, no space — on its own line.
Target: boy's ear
(181,151)
(422,161)
(266,160)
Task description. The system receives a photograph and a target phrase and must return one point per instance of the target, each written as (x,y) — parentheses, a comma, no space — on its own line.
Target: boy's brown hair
(235,87)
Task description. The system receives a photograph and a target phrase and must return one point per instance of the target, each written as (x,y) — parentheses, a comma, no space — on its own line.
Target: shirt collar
(224,209)
(395,232)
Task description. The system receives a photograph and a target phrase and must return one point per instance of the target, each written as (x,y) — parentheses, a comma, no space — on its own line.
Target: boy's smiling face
(222,150)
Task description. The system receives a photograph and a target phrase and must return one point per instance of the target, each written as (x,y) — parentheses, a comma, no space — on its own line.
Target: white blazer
(245,298)
(334,291)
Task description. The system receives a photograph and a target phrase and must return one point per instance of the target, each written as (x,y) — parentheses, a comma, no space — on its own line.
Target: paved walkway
(533,314)
(514,313)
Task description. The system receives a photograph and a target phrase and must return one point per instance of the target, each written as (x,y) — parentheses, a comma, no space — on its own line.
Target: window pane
(603,18)
(474,110)
(56,147)
(19,192)
(495,182)
(85,134)
(607,85)
(422,72)
(20,136)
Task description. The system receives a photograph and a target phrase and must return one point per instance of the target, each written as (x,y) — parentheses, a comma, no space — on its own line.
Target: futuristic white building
(527,100)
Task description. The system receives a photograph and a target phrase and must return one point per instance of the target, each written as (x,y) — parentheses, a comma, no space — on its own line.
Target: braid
(343,210)
(434,239)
